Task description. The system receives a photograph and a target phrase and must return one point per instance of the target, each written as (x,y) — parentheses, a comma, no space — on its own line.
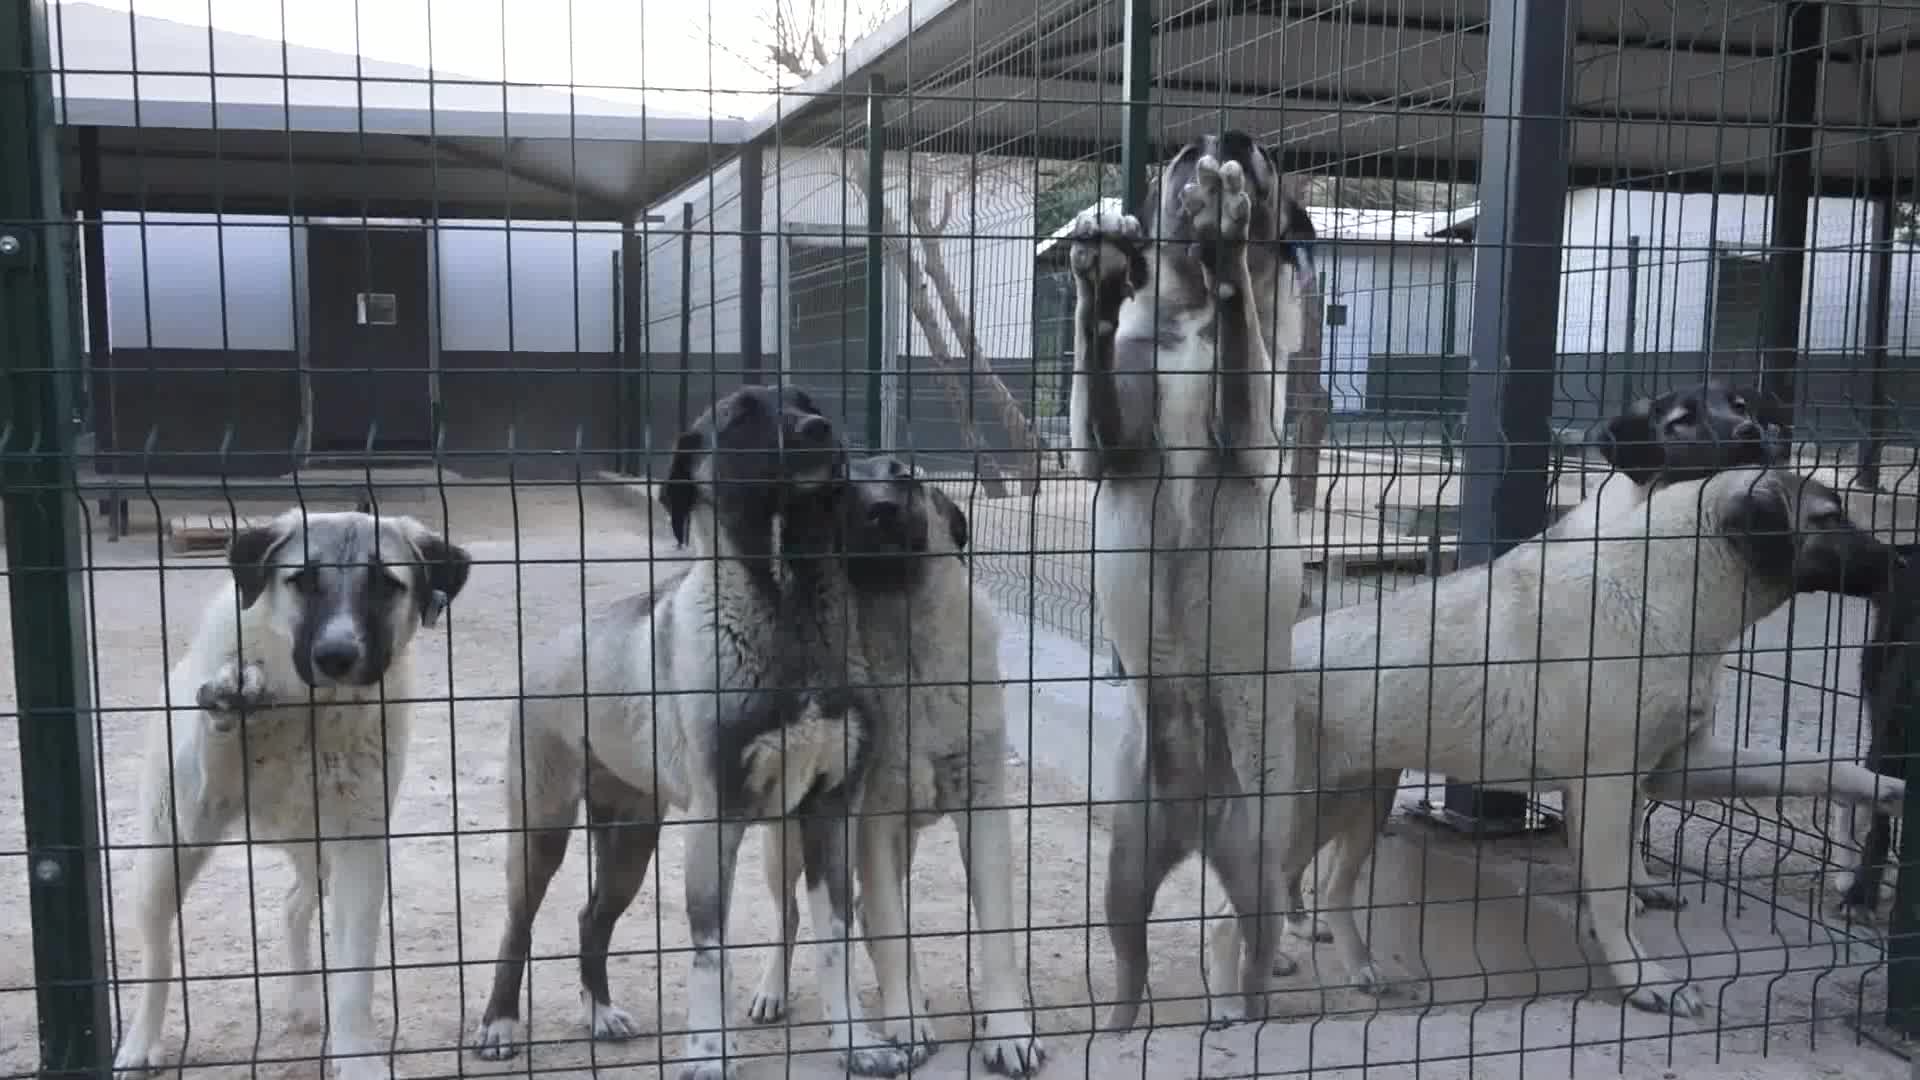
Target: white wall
(1396,300)
(988,247)
(1678,236)
(165,288)
(164,285)
(538,287)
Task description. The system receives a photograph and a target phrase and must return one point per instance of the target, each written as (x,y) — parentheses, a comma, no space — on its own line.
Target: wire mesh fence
(494,277)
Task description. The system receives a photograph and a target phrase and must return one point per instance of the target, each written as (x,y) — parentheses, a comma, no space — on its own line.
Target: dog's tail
(820,751)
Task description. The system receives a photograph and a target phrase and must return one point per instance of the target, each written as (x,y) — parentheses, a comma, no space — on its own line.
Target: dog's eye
(1740,406)
(386,586)
(306,579)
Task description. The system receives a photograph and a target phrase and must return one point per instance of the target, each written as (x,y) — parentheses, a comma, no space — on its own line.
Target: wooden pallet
(204,534)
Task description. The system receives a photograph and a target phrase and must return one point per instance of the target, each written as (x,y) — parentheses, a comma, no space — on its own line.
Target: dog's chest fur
(940,640)
(336,763)
(769,644)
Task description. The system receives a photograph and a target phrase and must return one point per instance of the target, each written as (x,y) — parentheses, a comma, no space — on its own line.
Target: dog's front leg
(356,882)
(1222,211)
(1650,892)
(1006,1039)
(178,835)
(883,913)
(1599,818)
(825,839)
(712,853)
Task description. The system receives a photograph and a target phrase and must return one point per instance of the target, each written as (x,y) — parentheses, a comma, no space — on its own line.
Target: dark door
(827,338)
(368,306)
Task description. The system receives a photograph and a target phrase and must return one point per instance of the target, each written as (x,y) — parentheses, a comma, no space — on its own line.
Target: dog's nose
(813,431)
(1746,429)
(335,659)
(883,512)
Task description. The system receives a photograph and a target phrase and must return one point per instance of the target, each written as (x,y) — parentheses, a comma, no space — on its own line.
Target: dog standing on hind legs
(1177,414)
(292,710)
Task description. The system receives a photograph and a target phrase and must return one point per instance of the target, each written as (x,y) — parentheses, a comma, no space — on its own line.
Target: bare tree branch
(1019,431)
(787,42)
(897,252)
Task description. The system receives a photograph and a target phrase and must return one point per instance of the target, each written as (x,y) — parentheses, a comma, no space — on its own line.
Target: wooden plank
(201,533)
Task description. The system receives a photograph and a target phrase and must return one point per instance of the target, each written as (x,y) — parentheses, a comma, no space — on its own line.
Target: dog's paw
(1284,964)
(1103,243)
(1681,1001)
(1662,897)
(1308,928)
(1217,202)
(238,686)
(497,1040)
(610,1023)
(1008,1045)
(1226,1010)
(1369,981)
(914,1036)
(768,1005)
(879,1057)
(363,1067)
(137,1058)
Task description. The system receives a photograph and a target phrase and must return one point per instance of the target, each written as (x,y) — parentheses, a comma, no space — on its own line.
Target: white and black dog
(732,692)
(1684,434)
(938,729)
(1591,667)
(1183,323)
(291,710)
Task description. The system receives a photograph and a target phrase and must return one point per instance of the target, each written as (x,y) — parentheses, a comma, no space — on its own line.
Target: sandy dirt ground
(1778,969)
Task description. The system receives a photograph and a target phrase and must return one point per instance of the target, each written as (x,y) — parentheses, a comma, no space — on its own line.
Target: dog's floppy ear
(247,555)
(445,567)
(1631,445)
(679,493)
(956,517)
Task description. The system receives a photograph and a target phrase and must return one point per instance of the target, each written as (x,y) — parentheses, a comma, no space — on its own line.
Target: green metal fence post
(1903,937)
(1136,140)
(38,356)
(876,252)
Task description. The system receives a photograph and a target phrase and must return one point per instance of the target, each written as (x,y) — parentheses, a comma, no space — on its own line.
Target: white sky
(607,48)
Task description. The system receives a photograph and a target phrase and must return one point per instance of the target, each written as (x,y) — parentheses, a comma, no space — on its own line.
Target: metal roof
(1676,94)
(222,121)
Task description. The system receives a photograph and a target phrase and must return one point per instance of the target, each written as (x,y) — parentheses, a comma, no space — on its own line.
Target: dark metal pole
(1879,314)
(1632,348)
(681,418)
(1136,139)
(636,406)
(51,679)
(1803,31)
(99,334)
(622,392)
(876,252)
(1510,388)
(752,230)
